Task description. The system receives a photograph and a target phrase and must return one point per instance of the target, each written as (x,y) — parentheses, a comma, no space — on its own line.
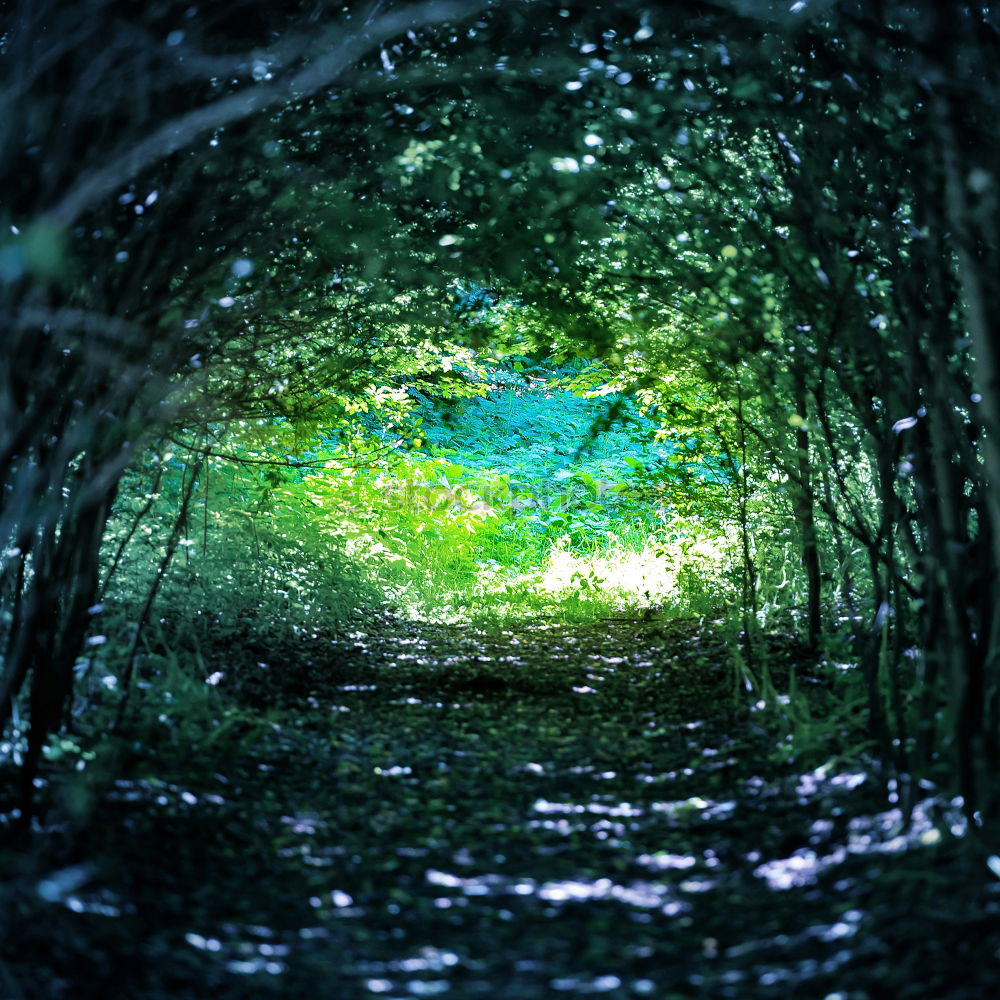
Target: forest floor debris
(411,810)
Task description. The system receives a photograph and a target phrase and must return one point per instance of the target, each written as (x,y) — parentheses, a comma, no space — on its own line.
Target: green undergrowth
(538,500)
(530,491)
(532,497)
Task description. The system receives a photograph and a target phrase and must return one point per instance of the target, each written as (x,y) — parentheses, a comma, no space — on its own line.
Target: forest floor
(414,810)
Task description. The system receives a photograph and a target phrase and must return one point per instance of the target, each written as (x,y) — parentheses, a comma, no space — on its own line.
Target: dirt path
(552,812)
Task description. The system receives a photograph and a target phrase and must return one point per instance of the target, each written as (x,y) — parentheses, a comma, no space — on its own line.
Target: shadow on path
(560,811)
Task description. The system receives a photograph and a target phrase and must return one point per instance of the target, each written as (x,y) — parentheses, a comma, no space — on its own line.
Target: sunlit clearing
(672,577)
(669,576)
(657,575)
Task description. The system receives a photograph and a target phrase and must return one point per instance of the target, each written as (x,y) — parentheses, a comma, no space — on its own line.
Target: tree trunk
(805,512)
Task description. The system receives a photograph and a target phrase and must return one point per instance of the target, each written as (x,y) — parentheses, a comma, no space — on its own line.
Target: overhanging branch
(323,70)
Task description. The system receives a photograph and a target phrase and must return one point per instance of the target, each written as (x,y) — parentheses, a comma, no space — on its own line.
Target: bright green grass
(523,502)
(519,507)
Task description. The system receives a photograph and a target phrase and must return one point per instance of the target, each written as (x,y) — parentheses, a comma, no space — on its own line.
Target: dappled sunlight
(245,950)
(883,833)
(680,576)
(633,578)
(78,889)
(551,794)
(640,894)
(694,807)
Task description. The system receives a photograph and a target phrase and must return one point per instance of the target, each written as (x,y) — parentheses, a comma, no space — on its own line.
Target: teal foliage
(463,488)
(549,443)
(568,489)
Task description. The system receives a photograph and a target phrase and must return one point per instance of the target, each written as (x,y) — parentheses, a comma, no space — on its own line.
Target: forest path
(591,809)
(552,811)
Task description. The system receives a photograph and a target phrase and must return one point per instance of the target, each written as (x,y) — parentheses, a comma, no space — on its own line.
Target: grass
(516,508)
(504,506)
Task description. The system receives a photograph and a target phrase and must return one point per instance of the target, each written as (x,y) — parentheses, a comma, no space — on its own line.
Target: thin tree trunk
(161,572)
(805,513)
